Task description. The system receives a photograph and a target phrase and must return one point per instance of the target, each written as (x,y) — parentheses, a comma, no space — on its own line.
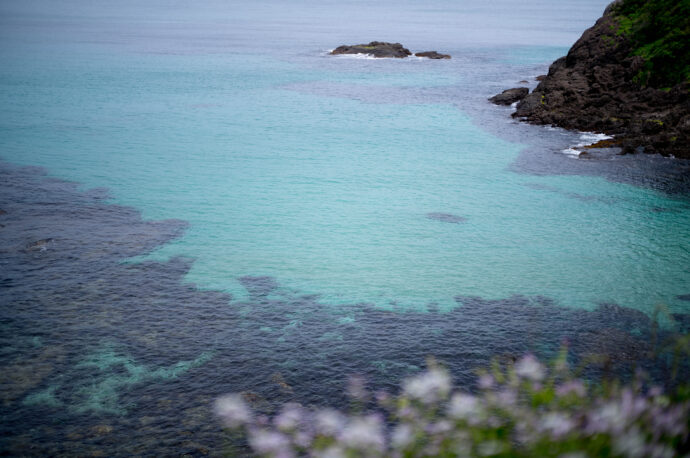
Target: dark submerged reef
(627,76)
(103,357)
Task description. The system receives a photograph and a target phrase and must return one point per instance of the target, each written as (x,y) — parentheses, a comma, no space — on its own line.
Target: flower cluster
(524,409)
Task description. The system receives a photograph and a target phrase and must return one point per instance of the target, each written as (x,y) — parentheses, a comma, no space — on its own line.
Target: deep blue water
(222,206)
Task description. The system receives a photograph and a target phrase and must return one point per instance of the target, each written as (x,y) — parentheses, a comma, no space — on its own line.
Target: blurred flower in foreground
(233,410)
(526,409)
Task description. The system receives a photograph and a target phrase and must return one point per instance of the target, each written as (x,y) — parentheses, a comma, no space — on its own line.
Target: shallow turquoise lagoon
(322,173)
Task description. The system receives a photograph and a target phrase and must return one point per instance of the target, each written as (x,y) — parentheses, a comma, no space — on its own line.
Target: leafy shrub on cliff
(659,31)
(524,409)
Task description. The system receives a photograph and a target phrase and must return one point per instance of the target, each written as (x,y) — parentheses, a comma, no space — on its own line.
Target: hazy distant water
(322,177)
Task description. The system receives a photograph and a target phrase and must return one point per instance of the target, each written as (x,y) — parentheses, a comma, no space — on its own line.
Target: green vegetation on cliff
(659,31)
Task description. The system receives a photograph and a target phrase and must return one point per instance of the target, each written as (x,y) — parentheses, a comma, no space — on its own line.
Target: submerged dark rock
(605,84)
(510,96)
(432,55)
(375,49)
(446,217)
(39,244)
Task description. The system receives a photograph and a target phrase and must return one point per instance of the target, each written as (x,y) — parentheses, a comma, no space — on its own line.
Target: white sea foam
(589,138)
(367,56)
(586,139)
(354,56)
(571,152)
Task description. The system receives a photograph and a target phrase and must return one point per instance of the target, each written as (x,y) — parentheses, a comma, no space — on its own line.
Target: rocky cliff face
(626,76)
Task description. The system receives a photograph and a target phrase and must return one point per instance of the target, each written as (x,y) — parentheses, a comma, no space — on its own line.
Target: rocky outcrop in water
(384,49)
(627,76)
(510,96)
(432,55)
(375,49)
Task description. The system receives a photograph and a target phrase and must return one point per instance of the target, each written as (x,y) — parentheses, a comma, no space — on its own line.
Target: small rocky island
(432,55)
(627,76)
(383,49)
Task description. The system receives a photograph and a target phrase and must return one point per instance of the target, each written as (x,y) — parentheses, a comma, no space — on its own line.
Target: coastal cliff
(627,76)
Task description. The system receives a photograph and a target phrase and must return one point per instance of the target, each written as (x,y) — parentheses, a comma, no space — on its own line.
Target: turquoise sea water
(281,170)
(319,193)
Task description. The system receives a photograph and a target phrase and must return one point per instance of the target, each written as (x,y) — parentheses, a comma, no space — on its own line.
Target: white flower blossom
(463,406)
(556,424)
(607,419)
(363,433)
(530,368)
(428,387)
(232,410)
(402,436)
(289,418)
(329,422)
(486,381)
(270,443)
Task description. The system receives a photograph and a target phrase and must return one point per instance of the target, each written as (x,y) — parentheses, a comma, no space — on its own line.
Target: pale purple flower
(271,443)
(486,382)
(575,387)
(655,391)
(382,397)
(303,439)
(402,436)
(631,444)
(289,418)
(439,428)
(232,410)
(507,397)
(632,406)
(363,433)
(463,406)
(333,451)
(428,387)
(670,421)
(530,368)
(329,422)
(357,388)
(556,424)
(608,418)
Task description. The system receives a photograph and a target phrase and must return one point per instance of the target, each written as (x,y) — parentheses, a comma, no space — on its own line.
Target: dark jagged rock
(540,78)
(375,49)
(432,55)
(604,84)
(510,96)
